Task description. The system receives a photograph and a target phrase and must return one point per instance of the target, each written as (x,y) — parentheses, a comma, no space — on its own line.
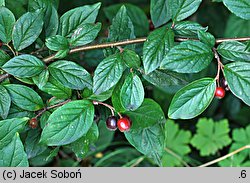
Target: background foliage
(165,82)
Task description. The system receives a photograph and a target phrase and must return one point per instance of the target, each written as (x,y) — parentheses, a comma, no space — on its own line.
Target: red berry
(33,123)
(1,44)
(111,123)
(219,92)
(124,124)
(151,25)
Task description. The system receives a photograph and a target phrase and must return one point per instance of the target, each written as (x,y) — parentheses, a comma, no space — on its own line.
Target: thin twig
(4,76)
(11,49)
(226,156)
(176,156)
(112,109)
(220,66)
(138,161)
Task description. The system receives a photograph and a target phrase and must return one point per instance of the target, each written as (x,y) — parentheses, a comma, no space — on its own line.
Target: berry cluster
(123,124)
(221,91)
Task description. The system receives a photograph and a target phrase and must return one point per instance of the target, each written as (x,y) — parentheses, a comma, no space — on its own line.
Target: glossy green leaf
(130,58)
(211,136)
(107,74)
(188,28)
(75,18)
(13,155)
(5,101)
(158,44)
(68,123)
(56,89)
(27,29)
(160,12)
(176,141)
(24,66)
(70,74)
(32,146)
(2,2)
(132,92)
(237,75)
(51,21)
(237,27)
(148,114)
(7,21)
(136,14)
(82,146)
(240,8)
(41,79)
(206,38)
(234,51)
(116,99)
(17,112)
(24,97)
(9,127)
(193,99)
(149,141)
(167,81)
(182,9)
(85,34)
(4,57)
(188,57)
(122,27)
(61,54)
(57,43)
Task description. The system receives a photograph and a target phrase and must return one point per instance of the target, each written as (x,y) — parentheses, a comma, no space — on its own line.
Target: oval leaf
(24,66)
(188,57)
(27,29)
(107,74)
(160,12)
(4,102)
(237,75)
(7,21)
(68,123)
(241,8)
(158,43)
(70,74)
(132,92)
(24,97)
(193,99)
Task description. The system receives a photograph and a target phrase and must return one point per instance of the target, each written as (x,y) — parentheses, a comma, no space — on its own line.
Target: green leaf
(13,155)
(7,21)
(4,102)
(122,27)
(237,75)
(82,146)
(24,66)
(101,97)
(237,27)
(27,29)
(116,99)
(182,9)
(85,34)
(62,54)
(158,44)
(41,79)
(57,43)
(160,12)
(56,89)
(4,57)
(24,97)
(136,14)
(176,141)
(234,51)
(240,8)
(188,57)
(211,136)
(9,127)
(132,92)
(130,58)
(149,141)
(32,146)
(167,81)
(188,28)
(2,2)
(68,123)
(107,74)
(17,112)
(206,38)
(241,137)
(75,18)
(70,74)
(148,114)
(50,18)
(193,99)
